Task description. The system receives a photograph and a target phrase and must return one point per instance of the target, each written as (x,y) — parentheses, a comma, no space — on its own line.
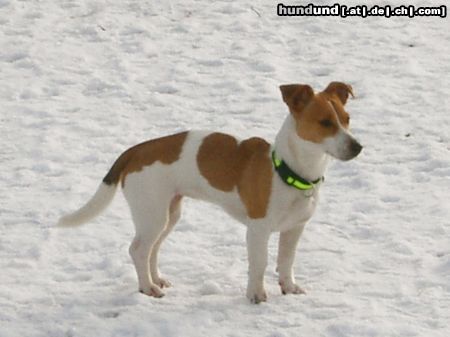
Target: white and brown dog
(269,188)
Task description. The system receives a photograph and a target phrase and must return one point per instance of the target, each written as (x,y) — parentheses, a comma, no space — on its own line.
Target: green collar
(290,177)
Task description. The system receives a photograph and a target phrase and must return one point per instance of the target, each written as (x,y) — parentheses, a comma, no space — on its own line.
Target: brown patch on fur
(227,164)
(165,149)
(309,125)
(296,96)
(341,90)
(317,115)
(343,116)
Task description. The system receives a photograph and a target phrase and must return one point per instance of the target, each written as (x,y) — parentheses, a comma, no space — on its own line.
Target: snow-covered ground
(80,81)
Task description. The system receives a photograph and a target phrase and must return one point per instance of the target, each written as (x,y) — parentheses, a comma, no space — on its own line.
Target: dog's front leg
(257,241)
(286,255)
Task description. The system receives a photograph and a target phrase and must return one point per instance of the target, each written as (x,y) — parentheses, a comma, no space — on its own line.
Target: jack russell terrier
(269,188)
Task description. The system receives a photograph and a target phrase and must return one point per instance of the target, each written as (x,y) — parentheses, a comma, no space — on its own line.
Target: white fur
(339,146)
(307,159)
(152,195)
(101,199)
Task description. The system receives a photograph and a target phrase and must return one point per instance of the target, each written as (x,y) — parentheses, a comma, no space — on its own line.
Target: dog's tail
(101,199)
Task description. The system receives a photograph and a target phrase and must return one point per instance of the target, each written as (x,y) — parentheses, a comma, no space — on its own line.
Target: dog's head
(321,118)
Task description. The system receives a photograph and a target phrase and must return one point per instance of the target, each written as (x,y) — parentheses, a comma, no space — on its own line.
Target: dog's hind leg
(174,216)
(149,210)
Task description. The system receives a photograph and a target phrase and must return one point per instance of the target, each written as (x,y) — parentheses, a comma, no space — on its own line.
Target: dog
(269,188)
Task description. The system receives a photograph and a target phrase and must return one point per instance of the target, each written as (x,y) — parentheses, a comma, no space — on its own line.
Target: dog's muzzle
(355,148)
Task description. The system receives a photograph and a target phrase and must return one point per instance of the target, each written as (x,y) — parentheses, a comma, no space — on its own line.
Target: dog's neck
(303,157)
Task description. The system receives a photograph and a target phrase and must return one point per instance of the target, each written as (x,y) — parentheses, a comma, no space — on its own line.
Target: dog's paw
(257,297)
(162,283)
(290,288)
(152,291)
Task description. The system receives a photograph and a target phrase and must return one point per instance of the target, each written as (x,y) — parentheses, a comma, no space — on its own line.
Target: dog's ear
(296,96)
(341,90)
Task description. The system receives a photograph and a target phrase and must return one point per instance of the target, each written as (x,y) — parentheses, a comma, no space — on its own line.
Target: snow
(81,81)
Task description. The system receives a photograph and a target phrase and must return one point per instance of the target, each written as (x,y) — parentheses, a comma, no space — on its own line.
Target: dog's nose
(355,148)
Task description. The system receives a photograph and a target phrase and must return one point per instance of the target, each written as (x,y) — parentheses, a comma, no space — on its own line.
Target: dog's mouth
(351,151)
(355,149)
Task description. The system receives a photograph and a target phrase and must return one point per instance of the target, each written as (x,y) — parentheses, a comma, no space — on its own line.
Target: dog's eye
(326,123)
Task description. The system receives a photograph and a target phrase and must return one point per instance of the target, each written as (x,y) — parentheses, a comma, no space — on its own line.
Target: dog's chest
(293,207)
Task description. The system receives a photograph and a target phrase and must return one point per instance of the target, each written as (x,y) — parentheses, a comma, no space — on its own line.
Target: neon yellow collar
(290,177)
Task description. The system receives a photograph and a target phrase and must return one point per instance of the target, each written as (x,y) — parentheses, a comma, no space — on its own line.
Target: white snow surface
(81,81)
